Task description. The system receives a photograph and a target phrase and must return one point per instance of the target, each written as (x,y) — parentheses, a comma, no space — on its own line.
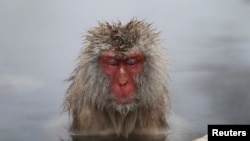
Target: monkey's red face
(121,71)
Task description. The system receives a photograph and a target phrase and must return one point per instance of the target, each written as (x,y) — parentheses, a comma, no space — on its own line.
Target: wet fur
(88,98)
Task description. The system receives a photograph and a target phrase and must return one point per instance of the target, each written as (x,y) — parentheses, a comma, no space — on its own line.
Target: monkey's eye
(112,61)
(131,61)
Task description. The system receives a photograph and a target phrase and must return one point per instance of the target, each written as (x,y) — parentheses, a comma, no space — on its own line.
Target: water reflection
(115,138)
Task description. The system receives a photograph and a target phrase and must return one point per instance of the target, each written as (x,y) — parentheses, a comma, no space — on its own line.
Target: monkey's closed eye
(112,61)
(131,61)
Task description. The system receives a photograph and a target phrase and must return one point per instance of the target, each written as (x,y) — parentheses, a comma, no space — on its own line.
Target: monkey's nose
(123,81)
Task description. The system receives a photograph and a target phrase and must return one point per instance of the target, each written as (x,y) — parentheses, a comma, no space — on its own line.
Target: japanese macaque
(120,83)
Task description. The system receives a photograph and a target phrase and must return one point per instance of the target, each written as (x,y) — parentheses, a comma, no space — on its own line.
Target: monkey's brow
(125,57)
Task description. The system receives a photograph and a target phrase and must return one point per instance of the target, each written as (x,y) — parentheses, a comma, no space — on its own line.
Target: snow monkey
(119,86)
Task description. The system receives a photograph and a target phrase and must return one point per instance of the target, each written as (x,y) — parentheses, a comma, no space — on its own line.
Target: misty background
(208,49)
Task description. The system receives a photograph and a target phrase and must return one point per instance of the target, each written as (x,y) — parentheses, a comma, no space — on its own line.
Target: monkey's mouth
(124,99)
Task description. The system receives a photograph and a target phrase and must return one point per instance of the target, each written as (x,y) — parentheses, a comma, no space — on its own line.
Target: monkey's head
(121,68)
